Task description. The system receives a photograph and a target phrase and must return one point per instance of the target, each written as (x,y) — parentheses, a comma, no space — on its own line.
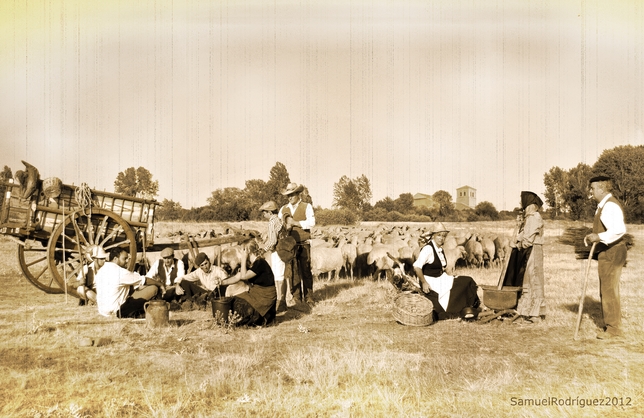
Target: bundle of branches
(574,236)
(404,282)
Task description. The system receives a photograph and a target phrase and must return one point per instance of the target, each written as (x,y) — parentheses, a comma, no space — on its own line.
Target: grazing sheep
(489,251)
(326,260)
(378,257)
(474,251)
(452,255)
(502,247)
(362,251)
(349,254)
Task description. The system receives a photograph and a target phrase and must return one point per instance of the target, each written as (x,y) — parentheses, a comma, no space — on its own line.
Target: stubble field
(347,358)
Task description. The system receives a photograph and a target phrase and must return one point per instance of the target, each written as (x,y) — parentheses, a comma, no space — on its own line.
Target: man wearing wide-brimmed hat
(608,232)
(451,295)
(301,219)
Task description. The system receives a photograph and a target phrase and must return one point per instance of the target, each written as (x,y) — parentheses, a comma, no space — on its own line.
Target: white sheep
(326,260)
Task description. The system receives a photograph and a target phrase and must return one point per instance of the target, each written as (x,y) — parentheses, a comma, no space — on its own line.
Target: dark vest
(161,271)
(598,227)
(297,232)
(435,268)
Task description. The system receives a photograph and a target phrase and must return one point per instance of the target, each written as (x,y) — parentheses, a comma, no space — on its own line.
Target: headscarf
(529,198)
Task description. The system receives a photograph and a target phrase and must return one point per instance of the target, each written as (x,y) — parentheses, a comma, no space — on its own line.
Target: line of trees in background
(351,204)
(567,192)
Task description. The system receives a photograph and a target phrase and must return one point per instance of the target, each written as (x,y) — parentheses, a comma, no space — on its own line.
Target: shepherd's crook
(583,292)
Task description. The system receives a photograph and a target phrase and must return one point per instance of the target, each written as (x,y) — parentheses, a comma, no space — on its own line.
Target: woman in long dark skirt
(450,295)
(257,305)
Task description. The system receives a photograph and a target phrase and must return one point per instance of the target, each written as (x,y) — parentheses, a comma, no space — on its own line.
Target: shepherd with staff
(608,234)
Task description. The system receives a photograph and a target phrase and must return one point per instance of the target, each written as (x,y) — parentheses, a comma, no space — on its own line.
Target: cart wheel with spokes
(84,230)
(33,262)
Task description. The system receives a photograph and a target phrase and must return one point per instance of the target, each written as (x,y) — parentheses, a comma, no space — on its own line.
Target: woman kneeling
(257,305)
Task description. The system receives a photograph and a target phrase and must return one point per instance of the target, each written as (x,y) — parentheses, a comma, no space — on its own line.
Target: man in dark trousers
(301,219)
(608,232)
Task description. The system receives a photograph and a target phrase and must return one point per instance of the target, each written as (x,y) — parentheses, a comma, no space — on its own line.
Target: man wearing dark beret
(608,232)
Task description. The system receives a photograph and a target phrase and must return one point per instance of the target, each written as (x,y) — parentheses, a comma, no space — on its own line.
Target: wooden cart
(56,231)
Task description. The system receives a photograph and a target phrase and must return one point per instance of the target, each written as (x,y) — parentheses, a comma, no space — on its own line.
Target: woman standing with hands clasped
(529,242)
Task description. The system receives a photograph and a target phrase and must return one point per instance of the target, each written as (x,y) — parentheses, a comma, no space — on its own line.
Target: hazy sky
(419,96)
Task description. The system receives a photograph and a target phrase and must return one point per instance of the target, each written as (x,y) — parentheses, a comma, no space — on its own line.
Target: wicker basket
(413,309)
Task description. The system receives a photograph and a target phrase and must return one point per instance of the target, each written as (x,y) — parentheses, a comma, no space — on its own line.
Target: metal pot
(504,298)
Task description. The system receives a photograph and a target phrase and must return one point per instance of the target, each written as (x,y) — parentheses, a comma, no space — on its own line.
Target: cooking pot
(503,298)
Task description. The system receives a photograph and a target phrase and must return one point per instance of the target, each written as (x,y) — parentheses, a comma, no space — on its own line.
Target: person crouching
(257,305)
(120,292)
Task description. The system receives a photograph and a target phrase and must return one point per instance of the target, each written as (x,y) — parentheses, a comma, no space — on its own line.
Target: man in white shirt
(608,232)
(205,279)
(301,219)
(120,292)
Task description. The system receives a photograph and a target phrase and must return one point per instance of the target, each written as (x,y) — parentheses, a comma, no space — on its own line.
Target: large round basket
(413,309)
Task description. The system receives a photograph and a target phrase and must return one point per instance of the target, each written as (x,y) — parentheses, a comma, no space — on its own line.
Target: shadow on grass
(592,307)
(181,322)
(333,289)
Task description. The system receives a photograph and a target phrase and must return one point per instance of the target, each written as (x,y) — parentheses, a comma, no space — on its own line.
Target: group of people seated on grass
(258,290)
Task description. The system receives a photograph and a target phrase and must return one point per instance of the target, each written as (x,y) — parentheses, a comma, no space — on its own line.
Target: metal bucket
(221,307)
(497,299)
(157,313)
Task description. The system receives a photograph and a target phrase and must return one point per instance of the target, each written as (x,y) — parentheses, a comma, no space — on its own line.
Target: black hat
(599,178)
(528,198)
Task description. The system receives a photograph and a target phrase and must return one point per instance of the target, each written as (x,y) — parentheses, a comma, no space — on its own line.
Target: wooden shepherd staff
(583,292)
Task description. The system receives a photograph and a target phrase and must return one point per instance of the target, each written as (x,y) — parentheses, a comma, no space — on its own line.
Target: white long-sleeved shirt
(307,223)
(613,219)
(112,287)
(208,280)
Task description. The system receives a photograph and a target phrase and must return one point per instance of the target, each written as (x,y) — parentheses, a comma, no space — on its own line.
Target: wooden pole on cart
(583,292)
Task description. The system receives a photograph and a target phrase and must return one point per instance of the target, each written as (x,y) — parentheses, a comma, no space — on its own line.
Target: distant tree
(577,194)
(136,182)
(277,181)
(555,181)
(387,204)
(230,204)
(404,203)
(169,210)
(625,166)
(352,194)
(444,201)
(486,210)
(257,192)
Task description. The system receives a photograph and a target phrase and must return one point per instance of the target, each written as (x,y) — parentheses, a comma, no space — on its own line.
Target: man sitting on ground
(169,270)
(203,280)
(120,292)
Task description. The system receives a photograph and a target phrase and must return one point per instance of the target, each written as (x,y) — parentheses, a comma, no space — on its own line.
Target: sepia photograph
(360,208)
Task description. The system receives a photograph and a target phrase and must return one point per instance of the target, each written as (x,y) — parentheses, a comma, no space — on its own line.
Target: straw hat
(292,188)
(98,252)
(438,227)
(269,206)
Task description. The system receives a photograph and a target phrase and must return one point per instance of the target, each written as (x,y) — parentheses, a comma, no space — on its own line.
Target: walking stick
(583,292)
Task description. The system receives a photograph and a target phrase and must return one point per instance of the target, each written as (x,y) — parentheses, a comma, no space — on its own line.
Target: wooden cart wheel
(102,228)
(33,262)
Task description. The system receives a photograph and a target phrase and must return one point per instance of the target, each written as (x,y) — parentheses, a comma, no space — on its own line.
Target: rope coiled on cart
(83,196)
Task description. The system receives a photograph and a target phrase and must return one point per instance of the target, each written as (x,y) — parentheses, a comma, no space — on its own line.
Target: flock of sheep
(364,251)
(372,252)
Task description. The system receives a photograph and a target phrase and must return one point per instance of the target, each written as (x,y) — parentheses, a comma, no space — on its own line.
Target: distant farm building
(424,200)
(465,198)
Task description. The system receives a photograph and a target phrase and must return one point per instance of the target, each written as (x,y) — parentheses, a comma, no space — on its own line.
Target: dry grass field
(347,358)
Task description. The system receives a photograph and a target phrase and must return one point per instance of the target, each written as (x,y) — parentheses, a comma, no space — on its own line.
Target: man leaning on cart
(120,292)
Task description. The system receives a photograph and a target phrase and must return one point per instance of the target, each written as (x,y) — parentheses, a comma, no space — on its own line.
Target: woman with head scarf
(527,271)
(452,296)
